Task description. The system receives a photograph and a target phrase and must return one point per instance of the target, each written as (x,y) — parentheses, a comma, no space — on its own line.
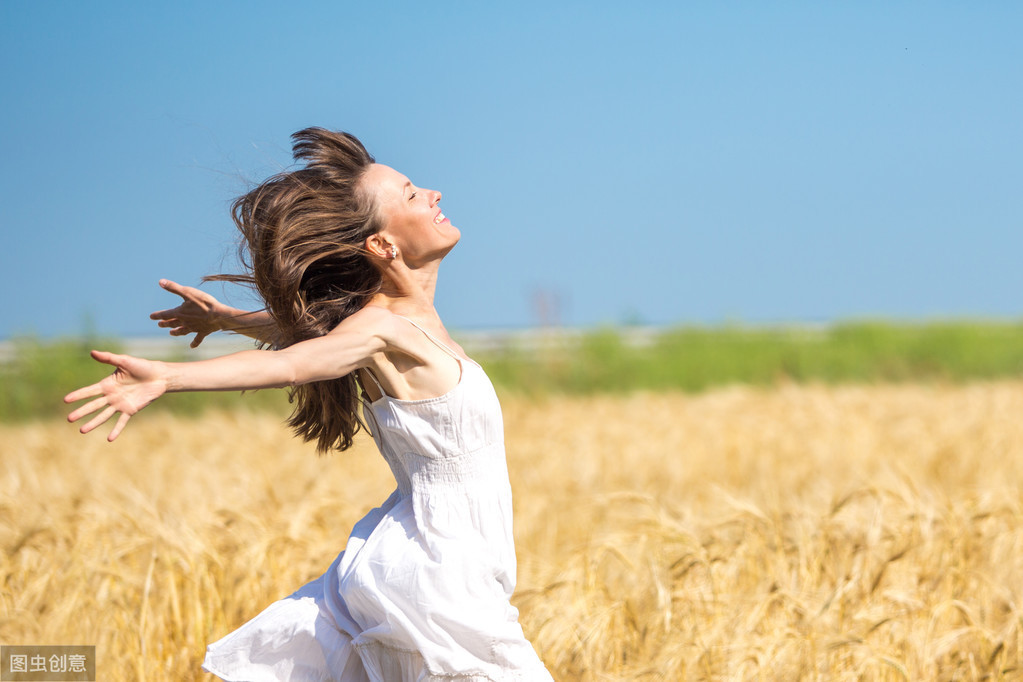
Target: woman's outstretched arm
(136,382)
(203,314)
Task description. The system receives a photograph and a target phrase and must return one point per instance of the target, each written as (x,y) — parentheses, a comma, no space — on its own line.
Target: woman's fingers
(99,419)
(87,408)
(193,315)
(105,356)
(82,393)
(92,390)
(178,328)
(122,421)
(173,287)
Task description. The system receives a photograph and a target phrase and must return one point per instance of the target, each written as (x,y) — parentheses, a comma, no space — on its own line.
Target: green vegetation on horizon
(697,358)
(685,358)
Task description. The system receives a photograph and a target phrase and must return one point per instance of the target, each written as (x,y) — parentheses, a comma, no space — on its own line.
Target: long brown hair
(303,235)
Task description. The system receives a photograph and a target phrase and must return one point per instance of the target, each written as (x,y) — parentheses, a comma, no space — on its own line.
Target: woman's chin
(453,235)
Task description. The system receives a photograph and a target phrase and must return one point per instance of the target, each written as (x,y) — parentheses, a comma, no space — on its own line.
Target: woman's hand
(134,384)
(199,312)
(202,314)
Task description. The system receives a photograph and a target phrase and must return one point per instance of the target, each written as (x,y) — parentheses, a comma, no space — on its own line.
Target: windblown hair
(303,235)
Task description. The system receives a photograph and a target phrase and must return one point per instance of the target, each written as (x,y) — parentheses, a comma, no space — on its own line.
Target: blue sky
(666,163)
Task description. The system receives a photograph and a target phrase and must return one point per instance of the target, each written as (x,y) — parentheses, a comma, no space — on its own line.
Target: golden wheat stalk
(801,532)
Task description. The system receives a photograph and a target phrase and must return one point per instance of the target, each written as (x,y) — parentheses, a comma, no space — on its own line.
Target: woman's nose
(434,197)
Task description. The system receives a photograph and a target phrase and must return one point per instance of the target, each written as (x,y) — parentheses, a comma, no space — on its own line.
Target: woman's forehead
(385,180)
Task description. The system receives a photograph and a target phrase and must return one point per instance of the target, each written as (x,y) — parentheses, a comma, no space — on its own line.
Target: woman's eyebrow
(408,183)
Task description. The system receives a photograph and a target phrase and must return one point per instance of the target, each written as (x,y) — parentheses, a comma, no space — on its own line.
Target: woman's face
(411,215)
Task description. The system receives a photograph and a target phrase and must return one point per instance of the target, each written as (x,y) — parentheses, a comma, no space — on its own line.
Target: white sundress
(421,591)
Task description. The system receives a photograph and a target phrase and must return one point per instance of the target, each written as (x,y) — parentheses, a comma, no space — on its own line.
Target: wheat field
(799,532)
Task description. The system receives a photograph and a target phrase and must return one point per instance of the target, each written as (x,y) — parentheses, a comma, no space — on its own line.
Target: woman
(345,254)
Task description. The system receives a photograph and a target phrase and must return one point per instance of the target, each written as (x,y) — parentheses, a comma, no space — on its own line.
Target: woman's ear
(378,246)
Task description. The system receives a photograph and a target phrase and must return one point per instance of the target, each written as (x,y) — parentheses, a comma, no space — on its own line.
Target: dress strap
(367,405)
(433,338)
(368,372)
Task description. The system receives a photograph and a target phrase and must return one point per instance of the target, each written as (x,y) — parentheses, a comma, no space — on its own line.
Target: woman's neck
(407,291)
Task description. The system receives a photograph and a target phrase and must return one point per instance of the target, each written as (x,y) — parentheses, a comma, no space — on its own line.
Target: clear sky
(661,162)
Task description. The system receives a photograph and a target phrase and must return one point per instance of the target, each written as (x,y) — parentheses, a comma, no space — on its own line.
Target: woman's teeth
(439,219)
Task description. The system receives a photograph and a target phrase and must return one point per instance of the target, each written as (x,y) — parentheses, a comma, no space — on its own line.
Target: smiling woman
(412,214)
(345,254)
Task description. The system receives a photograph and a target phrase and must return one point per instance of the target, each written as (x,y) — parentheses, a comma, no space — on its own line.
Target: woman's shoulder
(378,322)
(369,320)
(369,315)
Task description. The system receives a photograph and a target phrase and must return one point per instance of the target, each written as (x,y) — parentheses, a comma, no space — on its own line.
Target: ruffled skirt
(391,608)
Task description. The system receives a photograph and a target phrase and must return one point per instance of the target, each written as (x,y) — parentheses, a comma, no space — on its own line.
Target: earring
(394,252)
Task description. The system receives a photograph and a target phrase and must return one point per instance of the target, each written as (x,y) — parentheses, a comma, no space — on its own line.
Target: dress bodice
(449,440)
